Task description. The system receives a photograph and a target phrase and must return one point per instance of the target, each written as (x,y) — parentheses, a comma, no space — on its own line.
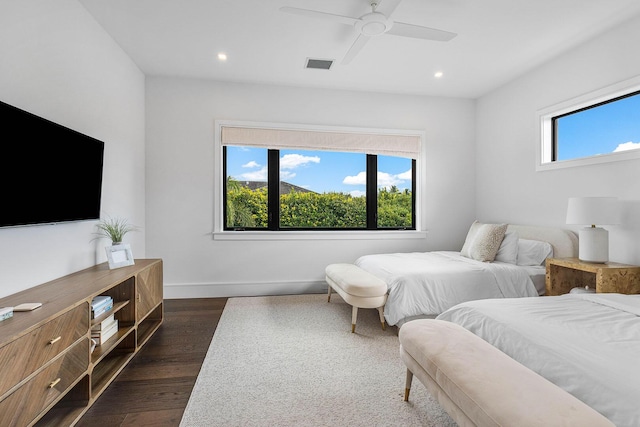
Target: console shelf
(116,307)
(49,348)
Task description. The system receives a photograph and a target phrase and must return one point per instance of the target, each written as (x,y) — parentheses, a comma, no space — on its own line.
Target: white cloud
(360,179)
(357,193)
(284,175)
(251,164)
(289,161)
(259,175)
(405,176)
(292,161)
(384,179)
(387,180)
(627,146)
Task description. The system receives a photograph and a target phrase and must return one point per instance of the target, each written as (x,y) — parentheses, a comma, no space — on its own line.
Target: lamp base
(593,245)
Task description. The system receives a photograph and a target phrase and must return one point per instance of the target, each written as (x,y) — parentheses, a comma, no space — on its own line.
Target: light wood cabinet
(563,274)
(48,374)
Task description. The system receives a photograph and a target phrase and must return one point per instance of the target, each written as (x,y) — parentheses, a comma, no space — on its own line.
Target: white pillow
(533,252)
(508,251)
(471,234)
(483,241)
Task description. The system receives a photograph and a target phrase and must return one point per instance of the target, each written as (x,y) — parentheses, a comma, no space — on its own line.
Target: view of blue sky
(319,171)
(604,129)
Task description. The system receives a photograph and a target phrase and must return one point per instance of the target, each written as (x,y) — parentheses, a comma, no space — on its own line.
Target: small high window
(608,127)
(603,126)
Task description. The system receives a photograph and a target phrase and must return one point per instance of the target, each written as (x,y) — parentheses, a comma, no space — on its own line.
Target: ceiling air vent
(319,64)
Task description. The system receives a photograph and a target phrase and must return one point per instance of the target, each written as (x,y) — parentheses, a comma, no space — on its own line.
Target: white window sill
(593,160)
(319,235)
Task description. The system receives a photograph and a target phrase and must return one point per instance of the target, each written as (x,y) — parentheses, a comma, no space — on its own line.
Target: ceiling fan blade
(322,15)
(387,7)
(357,45)
(418,32)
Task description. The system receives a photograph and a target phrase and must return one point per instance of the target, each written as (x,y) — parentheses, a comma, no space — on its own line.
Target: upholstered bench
(358,288)
(478,385)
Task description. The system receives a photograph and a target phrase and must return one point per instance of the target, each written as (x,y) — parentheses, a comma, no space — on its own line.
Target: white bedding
(539,277)
(587,344)
(428,283)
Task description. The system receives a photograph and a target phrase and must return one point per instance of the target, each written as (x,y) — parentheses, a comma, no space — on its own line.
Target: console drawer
(28,401)
(28,353)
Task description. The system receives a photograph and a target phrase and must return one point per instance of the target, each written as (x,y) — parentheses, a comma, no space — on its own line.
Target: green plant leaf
(113,229)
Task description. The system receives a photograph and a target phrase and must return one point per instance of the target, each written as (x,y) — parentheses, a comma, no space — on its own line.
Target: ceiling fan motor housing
(373,24)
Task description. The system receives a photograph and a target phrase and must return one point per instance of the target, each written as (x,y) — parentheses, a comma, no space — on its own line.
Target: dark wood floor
(155,386)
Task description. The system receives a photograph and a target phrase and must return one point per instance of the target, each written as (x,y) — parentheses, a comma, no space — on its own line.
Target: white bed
(587,344)
(425,284)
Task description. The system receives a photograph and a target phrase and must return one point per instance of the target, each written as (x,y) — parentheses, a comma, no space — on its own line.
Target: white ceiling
(497,40)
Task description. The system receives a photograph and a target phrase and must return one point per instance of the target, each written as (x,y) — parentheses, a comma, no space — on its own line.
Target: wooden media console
(48,374)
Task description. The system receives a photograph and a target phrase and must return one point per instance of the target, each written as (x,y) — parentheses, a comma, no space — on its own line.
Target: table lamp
(593,241)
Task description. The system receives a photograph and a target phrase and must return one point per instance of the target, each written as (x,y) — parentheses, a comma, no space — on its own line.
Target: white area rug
(293,361)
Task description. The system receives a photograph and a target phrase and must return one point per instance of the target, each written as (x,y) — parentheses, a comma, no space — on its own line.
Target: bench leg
(354,317)
(407,385)
(329,295)
(381,312)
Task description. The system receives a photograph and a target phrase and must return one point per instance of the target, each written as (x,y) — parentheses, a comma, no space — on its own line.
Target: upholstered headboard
(564,242)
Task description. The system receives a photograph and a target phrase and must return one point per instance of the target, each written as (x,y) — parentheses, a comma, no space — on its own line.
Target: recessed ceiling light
(222,56)
(438,74)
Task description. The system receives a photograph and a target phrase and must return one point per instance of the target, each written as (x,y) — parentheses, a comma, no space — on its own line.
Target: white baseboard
(218,290)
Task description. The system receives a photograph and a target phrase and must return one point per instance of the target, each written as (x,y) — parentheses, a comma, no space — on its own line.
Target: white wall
(58,63)
(180,181)
(508,187)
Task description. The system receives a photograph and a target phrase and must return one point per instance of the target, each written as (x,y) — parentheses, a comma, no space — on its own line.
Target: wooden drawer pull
(55,340)
(53,383)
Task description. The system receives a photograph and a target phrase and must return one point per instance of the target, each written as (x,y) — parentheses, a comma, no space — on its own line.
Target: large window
(290,188)
(602,126)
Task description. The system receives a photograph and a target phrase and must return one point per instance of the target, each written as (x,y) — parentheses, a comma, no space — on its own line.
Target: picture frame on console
(119,255)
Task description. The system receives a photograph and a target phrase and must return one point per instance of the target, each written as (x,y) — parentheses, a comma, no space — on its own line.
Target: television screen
(48,173)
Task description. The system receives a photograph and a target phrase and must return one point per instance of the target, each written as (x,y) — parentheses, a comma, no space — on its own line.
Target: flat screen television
(48,173)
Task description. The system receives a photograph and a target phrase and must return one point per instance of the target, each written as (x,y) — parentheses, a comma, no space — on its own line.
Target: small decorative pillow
(508,251)
(533,252)
(483,241)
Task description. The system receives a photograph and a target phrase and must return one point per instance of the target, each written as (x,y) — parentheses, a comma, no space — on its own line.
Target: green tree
(328,210)
(394,208)
(245,208)
(248,208)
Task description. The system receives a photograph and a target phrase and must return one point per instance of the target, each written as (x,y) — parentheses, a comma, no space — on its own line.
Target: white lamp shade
(593,211)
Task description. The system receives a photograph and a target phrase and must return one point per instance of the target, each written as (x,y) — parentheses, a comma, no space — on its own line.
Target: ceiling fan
(375,23)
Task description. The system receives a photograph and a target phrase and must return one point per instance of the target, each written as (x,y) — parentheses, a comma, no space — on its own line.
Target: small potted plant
(114,229)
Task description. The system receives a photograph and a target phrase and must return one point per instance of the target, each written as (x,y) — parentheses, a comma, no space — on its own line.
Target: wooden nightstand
(563,274)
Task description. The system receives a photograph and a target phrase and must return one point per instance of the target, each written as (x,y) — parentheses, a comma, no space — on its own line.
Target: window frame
(546,149)
(219,231)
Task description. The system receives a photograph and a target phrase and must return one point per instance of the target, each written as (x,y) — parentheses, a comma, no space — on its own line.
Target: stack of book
(104,330)
(6,313)
(100,305)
